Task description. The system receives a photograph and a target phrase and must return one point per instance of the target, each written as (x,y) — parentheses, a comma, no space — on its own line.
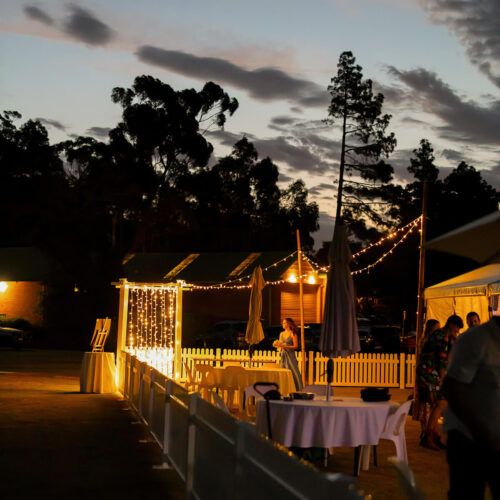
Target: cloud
(413,121)
(492,176)
(85,27)
(393,95)
(453,155)
(101,132)
(325,231)
(320,189)
(465,121)
(264,84)
(477,25)
(38,14)
(283,120)
(280,149)
(51,123)
(284,178)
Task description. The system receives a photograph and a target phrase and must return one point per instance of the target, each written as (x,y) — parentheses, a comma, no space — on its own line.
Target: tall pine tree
(364,140)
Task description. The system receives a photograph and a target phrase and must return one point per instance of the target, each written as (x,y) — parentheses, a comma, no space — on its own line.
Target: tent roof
(482,281)
(205,268)
(22,264)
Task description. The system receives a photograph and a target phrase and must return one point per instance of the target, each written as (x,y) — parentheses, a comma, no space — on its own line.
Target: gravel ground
(57,443)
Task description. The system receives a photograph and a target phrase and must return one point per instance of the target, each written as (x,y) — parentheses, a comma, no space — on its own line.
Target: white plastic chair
(232,385)
(250,392)
(394,430)
(219,402)
(206,383)
(407,479)
(190,384)
(317,389)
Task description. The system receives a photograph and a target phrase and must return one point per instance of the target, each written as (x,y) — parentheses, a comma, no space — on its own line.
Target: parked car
(381,338)
(12,337)
(229,334)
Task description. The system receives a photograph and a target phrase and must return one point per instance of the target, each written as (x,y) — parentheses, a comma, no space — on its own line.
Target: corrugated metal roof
(23,264)
(209,267)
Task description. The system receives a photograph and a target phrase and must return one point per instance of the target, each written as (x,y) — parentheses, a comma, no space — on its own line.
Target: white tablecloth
(97,374)
(281,376)
(317,423)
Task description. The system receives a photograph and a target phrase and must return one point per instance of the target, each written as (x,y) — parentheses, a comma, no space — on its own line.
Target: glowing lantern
(292,278)
(3,286)
(311,280)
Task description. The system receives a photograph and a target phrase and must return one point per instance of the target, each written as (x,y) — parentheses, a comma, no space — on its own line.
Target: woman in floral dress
(431,369)
(421,411)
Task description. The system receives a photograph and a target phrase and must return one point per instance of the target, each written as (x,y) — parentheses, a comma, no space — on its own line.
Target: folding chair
(101,332)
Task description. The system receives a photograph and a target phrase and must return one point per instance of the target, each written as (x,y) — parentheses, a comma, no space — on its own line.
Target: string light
(412,225)
(367,268)
(152,325)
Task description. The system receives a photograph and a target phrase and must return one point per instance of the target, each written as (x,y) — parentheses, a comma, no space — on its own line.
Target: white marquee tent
(477,290)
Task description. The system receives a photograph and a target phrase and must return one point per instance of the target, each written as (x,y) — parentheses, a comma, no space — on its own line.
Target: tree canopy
(153,186)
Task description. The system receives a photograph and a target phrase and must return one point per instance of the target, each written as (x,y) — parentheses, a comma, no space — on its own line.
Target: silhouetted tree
(364,141)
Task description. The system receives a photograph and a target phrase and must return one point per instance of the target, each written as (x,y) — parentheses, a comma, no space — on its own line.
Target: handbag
(373,394)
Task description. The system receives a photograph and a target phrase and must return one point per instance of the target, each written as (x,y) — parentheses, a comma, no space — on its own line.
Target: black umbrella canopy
(339,331)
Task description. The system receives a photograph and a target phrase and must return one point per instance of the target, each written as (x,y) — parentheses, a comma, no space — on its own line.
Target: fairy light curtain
(151,325)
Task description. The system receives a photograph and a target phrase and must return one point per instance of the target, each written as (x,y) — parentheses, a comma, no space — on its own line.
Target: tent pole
(421,270)
(301,307)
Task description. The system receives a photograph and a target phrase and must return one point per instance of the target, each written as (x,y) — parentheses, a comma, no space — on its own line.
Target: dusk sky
(436,61)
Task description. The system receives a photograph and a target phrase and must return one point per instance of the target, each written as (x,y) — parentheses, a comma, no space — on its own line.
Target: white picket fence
(215,455)
(358,370)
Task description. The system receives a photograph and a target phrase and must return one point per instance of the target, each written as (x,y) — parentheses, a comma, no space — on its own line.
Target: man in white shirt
(472,420)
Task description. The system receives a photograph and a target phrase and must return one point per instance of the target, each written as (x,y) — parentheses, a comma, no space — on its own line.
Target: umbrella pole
(301,307)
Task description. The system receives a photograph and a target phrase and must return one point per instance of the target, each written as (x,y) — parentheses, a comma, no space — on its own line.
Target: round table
(281,376)
(325,424)
(97,373)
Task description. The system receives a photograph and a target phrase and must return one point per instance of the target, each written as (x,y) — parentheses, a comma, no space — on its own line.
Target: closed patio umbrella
(339,331)
(479,240)
(254,333)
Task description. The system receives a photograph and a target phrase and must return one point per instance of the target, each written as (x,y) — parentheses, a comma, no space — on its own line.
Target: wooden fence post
(402,370)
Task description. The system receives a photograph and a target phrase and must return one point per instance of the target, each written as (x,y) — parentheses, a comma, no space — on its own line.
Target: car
(13,337)
(228,334)
(381,338)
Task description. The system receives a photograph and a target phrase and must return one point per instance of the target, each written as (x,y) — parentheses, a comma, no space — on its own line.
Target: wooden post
(121,337)
(301,308)
(421,270)
(178,334)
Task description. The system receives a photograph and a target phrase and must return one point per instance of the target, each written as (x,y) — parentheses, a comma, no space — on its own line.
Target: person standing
(472,420)
(472,319)
(421,410)
(288,342)
(431,369)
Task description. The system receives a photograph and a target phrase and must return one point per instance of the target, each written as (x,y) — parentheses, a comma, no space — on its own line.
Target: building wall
(22,299)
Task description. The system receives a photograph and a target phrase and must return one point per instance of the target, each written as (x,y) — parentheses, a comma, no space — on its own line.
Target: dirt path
(57,443)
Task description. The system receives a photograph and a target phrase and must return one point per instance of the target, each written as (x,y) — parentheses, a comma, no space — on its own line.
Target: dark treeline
(154,185)
(87,204)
